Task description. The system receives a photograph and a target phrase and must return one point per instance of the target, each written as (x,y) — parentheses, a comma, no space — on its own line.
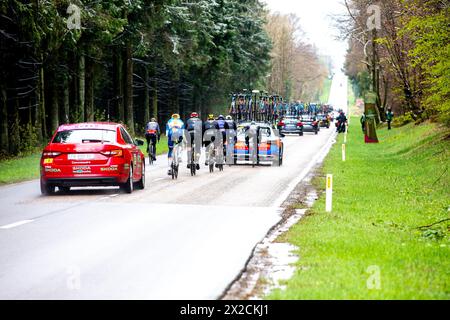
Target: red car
(92,154)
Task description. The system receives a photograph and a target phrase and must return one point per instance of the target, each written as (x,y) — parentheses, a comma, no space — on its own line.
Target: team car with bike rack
(269,149)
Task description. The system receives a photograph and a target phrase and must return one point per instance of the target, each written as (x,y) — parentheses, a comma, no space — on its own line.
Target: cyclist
(342,121)
(231,135)
(194,127)
(152,133)
(174,133)
(231,124)
(211,127)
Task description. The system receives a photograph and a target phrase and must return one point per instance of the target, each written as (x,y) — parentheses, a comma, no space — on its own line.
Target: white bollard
(343,152)
(329,193)
(345,137)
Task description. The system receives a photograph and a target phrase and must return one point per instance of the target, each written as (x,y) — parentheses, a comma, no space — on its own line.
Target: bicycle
(175,161)
(192,163)
(150,152)
(215,160)
(212,154)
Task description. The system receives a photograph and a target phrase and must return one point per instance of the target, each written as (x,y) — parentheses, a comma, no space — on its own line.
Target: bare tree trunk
(4,136)
(54,112)
(154,93)
(81,88)
(41,123)
(89,89)
(129,89)
(146,97)
(66,103)
(14,130)
(118,87)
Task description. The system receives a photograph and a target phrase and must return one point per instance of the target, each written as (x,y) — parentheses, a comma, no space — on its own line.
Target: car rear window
(85,136)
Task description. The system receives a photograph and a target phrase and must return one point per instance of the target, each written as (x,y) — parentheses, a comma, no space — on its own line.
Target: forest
(122,61)
(127,61)
(404,58)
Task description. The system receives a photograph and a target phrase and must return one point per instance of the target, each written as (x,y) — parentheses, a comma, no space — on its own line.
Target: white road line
(317,158)
(159,179)
(15,224)
(114,195)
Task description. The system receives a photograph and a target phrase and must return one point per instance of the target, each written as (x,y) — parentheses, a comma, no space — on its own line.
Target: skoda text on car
(92,154)
(290,125)
(270,146)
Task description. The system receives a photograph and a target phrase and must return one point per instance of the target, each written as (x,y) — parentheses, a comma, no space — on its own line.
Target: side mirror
(139,142)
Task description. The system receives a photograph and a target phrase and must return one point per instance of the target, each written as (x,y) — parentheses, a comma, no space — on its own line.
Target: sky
(316,21)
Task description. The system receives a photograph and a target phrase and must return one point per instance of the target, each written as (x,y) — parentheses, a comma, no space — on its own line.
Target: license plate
(80,156)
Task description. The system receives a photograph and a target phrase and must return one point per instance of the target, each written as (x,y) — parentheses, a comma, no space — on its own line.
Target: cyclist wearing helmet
(194,127)
(152,132)
(231,137)
(223,126)
(231,123)
(211,130)
(174,133)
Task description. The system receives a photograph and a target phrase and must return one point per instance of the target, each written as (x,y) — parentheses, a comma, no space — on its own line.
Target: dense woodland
(406,60)
(130,60)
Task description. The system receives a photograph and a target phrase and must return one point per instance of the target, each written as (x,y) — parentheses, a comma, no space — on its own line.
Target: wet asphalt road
(183,239)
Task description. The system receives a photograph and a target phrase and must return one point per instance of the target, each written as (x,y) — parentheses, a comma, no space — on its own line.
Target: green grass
(161,146)
(326,91)
(382,193)
(19,169)
(27,167)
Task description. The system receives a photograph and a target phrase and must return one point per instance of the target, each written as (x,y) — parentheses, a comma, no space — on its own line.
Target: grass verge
(383,239)
(27,167)
(326,90)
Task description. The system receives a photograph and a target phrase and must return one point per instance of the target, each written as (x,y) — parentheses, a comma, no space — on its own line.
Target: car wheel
(47,189)
(129,186)
(141,184)
(64,189)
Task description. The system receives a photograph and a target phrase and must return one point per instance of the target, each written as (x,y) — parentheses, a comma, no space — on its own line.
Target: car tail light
(113,153)
(50,154)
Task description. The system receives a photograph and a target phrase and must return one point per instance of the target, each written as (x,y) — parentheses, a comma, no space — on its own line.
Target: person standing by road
(389,117)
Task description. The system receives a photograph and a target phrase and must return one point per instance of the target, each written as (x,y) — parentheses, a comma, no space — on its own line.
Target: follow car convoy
(104,154)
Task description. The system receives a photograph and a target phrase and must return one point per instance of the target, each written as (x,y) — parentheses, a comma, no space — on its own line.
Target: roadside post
(329,193)
(343,152)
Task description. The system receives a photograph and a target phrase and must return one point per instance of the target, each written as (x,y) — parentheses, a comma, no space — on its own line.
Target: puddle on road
(273,262)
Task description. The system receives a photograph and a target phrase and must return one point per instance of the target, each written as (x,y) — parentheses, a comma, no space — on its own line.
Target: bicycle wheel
(193,168)
(173,170)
